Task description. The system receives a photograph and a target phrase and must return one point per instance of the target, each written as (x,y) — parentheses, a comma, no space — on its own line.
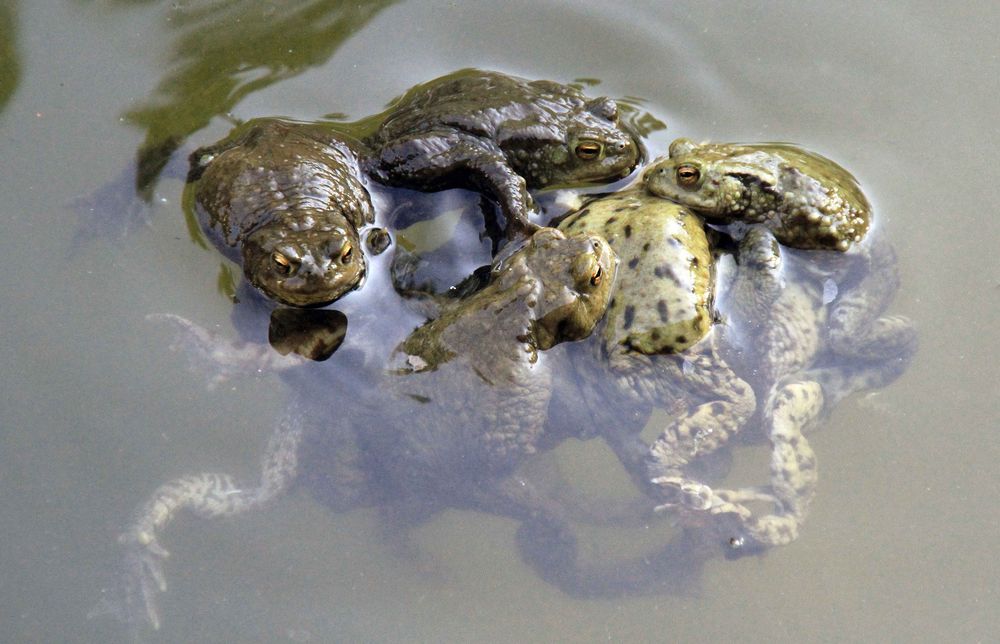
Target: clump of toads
(736,287)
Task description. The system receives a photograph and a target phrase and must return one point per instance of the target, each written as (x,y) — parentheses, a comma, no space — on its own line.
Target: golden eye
(346,253)
(597,276)
(281,263)
(687,175)
(588,150)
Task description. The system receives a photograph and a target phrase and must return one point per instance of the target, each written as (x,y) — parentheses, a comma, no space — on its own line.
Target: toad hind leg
(207,495)
(703,430)
(218,358)
(790,411)
(857,327)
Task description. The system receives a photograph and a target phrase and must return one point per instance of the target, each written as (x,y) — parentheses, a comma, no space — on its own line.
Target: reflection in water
(448,417)
(310,333)
(229,48)
(10,64)
(225,50)
(444,421)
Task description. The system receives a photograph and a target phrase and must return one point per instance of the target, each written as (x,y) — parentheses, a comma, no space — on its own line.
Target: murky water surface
(95,410)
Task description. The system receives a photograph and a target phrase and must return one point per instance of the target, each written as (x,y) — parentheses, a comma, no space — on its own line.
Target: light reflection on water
(96,411)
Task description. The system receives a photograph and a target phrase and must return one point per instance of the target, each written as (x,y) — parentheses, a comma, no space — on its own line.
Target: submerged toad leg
(207,495)
(792,408)
(435,160)
(857,326)
(766,314)
(759,280)
(730,402)
(220,359)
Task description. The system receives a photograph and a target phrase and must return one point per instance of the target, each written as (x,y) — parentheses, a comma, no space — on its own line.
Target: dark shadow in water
(228,49)
(311,333)
(674,569)
(10,63)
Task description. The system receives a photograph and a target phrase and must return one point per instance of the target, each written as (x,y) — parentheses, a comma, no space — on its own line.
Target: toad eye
(281,263)
(587,272)
(346,253)
(588,150)
(687,175)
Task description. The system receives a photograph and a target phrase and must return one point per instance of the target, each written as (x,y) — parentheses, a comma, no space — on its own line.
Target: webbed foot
(144,576)
(744,532)
(683,493)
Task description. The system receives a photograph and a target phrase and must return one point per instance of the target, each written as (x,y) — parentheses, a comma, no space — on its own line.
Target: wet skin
(808,202)
(288,202)
(501,135)
(657,349)
(461,403)
(812,335)
(805,199)
(465,397)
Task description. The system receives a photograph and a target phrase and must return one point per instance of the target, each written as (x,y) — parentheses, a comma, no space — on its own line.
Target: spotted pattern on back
(663,298)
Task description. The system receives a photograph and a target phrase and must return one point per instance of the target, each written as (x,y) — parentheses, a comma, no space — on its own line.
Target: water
(96,410)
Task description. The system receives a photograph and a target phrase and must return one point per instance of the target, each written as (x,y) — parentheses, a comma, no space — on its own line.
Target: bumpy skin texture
(502,135)
(780,353)
(488,345)
(652,350)
(807,200)
(462,403)
(287,201)
(806,361)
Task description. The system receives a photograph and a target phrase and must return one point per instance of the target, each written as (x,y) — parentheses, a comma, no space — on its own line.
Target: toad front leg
(441,159)
(219,358)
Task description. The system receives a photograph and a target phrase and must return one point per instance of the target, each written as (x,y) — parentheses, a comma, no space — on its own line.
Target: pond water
(95,410)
